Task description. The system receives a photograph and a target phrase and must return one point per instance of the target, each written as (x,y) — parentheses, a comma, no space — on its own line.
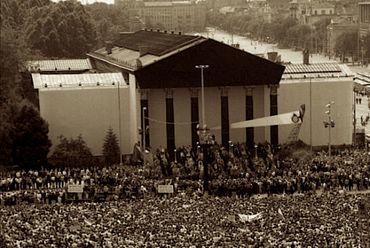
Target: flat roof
(155,43)
(59,65)
(77,81)
(316,70)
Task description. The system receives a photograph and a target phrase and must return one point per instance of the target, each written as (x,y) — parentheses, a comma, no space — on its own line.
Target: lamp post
(329,124)
(255,149)
(119,123)
(202,67)
(203,132)
(143,135)
(311,114)
(175,155)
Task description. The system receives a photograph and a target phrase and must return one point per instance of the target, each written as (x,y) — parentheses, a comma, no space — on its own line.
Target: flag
(250,217)
(281,213)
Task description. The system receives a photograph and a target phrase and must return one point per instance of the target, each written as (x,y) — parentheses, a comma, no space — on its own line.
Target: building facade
(160,92)
(364,18)
(176,16)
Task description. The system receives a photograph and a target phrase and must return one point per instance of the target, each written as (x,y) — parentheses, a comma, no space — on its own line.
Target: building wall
(182,116)
(294,93)
(174,17)
(89,112)
(364,19)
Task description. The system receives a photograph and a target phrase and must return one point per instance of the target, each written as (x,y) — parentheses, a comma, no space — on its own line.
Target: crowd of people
(327,220)
(316,201)
(230,171)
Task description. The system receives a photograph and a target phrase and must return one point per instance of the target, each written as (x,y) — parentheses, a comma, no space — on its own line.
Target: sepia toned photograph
(185,123)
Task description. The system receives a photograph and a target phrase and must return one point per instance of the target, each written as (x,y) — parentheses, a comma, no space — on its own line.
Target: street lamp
(255,148)
(119,122)
(329,124)
(143,135)
(175,155)
(202,67)
(203,132)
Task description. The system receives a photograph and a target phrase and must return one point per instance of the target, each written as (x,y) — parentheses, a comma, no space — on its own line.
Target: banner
(165,189)
(282,119)
(75,188)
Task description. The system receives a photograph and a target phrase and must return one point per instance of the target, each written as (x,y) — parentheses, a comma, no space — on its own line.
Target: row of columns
(225,124)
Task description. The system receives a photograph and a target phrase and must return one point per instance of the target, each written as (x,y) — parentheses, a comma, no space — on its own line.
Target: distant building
(364,27)
(177,16)
(318,11)
(309,12)
(364,18)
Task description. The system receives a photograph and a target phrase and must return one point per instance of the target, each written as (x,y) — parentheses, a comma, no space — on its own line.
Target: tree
(63,30)
(346,43)
(13,51)
(108,20)
(111,150)
(365,44)
(30,139)
(71,153)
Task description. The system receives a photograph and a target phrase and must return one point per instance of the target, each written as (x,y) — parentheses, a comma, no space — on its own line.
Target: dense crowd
(327,220)
(231,171)
(264,205)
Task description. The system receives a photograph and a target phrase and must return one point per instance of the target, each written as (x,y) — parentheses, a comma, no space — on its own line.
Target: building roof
(157,4)
(155,43)
(228,66)
(60,65)
(316,70)
(73,81)
(362,82)
(167,60)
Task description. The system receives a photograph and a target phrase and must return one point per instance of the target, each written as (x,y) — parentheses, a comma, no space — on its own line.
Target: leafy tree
(320,31)
(30,141)
(108,20)
(111,148)
(346,43)
(62,29)
(71,152)
(365,43)
(13,51)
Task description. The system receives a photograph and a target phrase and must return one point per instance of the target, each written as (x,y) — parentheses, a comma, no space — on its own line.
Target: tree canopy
(30,139)
(346,43)
(111,150)
(71,152)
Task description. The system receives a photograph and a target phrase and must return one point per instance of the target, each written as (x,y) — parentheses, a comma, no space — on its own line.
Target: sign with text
(75,188)
(165,189)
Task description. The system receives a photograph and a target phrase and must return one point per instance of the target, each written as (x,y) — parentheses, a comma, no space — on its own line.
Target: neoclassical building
(160,69)
(152,76)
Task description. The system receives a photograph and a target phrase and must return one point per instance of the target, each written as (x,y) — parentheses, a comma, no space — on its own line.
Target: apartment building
(179,16)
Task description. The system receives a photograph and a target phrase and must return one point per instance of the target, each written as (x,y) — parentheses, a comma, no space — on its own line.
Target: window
(315,12)
(323,12)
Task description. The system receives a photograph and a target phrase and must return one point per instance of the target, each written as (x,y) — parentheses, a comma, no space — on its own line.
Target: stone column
(274,130)
(249,116)
(144,93)
(133,113)
(170,126)
(194,110)
(225,125)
